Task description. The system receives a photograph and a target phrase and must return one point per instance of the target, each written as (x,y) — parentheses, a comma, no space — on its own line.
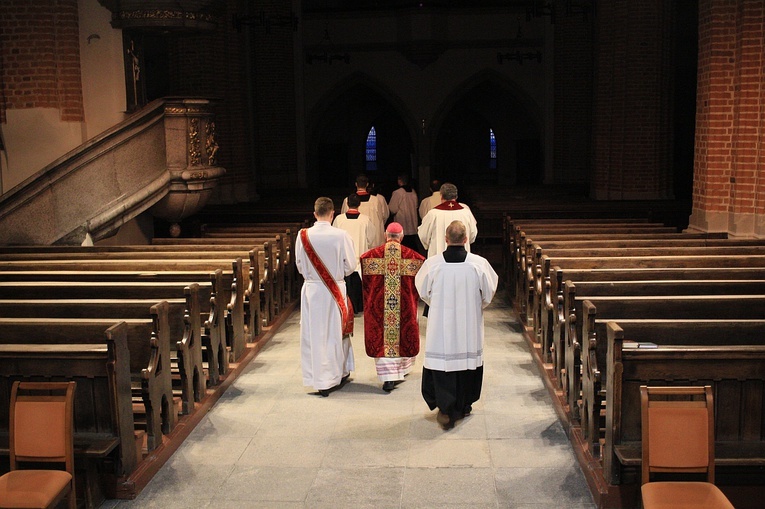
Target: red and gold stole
(346,308)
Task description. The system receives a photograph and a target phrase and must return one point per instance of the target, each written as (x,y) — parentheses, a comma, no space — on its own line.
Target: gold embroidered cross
(392,267)
(451,204)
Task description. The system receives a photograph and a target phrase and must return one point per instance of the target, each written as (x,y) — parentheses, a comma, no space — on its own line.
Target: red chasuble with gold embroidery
(390,300)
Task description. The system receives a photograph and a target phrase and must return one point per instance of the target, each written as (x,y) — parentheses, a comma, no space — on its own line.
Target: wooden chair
(678,437)
(40,431)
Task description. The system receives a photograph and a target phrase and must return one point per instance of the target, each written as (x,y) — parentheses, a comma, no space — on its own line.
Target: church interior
(158,159)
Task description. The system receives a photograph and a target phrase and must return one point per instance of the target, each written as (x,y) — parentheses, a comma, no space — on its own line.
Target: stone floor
(272,443)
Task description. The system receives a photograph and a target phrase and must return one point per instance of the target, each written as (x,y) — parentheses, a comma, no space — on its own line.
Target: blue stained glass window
(492,149)
(372,150)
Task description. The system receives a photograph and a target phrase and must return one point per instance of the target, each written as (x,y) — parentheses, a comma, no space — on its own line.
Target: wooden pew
(540,260)
(540,278)
(520,244)
(555,314)
(236,336)
(725,306)
(282,264)
(661,332)
(149,354)
(184,322)
(736,374)
(271,259)
(121,285)
(268,249)
(104,441)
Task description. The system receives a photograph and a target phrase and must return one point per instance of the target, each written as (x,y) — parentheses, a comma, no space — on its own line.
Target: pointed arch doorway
(337,144)
(488,135)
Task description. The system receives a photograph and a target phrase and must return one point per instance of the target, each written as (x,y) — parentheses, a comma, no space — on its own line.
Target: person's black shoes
(388,386)
(324,392)
(444,420)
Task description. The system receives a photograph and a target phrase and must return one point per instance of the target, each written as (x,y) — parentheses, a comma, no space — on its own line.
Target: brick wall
(632,120)
(212,65)
(573,98)
(40,57)
(274,98)
(730,112)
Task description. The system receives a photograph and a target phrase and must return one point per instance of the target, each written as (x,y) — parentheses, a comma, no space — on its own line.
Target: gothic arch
(338,125)
(459,128)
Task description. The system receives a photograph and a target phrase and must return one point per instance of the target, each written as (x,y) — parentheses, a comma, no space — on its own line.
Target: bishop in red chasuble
(391,331)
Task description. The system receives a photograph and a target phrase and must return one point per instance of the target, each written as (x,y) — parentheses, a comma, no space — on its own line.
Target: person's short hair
(323,206)
(394,236)
(354,201)
(435,185)
(449,191)
(362,181)
(404,179)
(456,233)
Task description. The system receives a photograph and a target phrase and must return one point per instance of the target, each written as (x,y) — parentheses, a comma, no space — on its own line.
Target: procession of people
(453,284)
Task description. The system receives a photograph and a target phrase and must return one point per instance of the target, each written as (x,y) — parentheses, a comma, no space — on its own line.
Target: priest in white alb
(324,255)
(434,224)
(457,286)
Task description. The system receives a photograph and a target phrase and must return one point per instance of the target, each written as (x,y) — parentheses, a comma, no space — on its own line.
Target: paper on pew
(636,344)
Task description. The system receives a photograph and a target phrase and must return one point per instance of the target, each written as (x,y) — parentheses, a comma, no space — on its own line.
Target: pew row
(184,326)
(651,333)
(555,312)
(148,346)
(105,447)
(213,345)
(736,374)
(236,335)
(581,350)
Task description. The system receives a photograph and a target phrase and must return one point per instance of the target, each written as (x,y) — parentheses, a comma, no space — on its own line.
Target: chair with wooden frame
(40,431)
(678,437)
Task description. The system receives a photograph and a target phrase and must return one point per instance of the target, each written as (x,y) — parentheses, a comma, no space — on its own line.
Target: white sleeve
(349,254)
(425,230)
(489,281)
(423,282)
(344,208)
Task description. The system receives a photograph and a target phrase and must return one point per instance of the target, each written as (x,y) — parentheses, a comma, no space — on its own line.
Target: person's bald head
(456,233)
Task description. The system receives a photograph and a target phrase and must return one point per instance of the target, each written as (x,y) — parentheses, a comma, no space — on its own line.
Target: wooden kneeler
(41,429)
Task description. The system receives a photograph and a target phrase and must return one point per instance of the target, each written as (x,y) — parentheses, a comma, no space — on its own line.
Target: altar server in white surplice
(359,227)
(434,223)
(457,285)
(372,206)
(324,257)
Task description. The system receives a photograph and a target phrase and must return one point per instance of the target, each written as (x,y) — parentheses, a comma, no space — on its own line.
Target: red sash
(346,308)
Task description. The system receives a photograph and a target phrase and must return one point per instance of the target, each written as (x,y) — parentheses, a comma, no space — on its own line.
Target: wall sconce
(519,57)
(326,53)
(263,19)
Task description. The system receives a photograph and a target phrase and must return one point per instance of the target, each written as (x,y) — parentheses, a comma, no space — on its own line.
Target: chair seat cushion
(683,495)
(32,488)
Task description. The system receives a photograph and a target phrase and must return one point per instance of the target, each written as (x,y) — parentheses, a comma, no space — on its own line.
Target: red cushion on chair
(32,488)
(683,495)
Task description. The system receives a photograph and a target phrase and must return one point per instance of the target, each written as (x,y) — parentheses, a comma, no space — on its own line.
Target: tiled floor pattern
(272,443)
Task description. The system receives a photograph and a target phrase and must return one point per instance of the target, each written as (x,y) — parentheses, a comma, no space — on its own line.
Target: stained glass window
(372,150)
(492,150)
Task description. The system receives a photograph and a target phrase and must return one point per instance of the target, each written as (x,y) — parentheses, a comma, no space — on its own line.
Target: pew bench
(148,343)
(105,441)
(554,315)
(234,314)
(210,350)
(652,332)
(184,321)
(736,374)
(582,346)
